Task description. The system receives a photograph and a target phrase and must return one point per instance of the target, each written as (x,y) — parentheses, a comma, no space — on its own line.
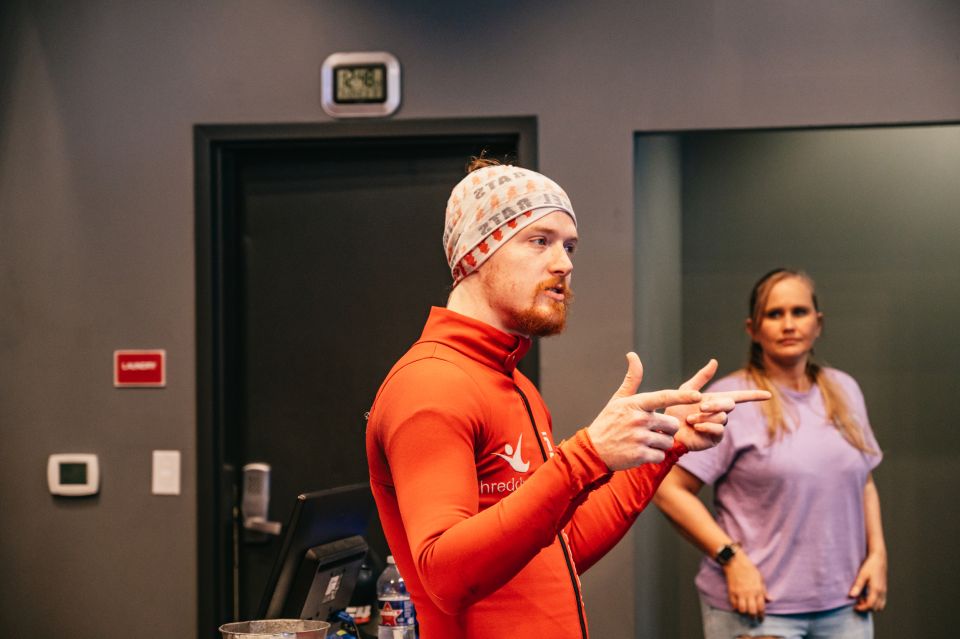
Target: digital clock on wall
(360,84)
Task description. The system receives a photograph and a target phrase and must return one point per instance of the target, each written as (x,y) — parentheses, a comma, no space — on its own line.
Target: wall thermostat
(73,474)
(360,84)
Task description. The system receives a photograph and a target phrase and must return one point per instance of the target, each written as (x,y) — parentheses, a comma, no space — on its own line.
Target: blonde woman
(796,548)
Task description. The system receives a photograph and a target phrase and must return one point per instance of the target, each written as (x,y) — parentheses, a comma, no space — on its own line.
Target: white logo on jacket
(513,457)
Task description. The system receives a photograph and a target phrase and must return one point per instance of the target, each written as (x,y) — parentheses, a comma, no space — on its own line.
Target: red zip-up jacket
(489,521)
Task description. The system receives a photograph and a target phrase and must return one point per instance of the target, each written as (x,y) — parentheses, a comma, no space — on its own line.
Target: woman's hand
(870,587)
(745,587)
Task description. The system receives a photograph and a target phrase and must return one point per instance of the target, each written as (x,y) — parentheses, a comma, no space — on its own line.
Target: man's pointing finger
(666,398)
(740,396)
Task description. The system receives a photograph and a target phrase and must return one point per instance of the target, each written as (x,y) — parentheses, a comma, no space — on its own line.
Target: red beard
(542,321)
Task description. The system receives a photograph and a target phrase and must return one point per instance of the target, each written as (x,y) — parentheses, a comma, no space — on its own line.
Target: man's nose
(560,262)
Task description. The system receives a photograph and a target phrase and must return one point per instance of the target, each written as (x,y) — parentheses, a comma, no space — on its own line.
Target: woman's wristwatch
(726,552)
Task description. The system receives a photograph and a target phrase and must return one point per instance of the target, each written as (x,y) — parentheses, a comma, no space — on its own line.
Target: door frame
(216,148)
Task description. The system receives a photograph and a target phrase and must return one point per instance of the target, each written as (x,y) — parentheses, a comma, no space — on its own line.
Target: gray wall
(97,101)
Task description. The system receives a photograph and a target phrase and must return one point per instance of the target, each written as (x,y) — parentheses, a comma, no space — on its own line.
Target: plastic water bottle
(397,617)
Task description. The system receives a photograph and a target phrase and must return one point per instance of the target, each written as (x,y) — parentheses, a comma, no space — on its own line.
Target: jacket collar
(475,339)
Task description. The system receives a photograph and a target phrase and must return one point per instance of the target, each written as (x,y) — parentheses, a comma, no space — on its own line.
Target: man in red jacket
(491,521)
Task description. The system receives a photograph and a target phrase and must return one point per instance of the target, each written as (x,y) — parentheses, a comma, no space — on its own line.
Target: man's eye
(571,248)
(539,241)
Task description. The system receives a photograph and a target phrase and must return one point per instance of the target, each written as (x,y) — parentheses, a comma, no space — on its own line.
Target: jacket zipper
(563,544)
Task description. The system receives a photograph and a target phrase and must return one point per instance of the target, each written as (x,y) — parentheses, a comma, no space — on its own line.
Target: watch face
(726,554)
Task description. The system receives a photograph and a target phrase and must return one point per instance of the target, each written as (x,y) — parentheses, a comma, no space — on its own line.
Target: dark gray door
(331,258)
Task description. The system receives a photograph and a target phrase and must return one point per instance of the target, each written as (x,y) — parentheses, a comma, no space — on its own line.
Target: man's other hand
(628,431)
(702,426)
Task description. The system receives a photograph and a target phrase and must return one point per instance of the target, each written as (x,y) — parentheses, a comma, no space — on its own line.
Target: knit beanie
(489,206)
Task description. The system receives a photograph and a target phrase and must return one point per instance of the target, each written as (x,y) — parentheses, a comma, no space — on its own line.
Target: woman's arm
(677,498)
(870,587)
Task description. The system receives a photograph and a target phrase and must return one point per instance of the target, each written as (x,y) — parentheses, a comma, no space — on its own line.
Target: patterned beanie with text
(489,206)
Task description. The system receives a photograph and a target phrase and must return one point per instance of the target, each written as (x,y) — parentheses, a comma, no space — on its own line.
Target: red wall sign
(140,369)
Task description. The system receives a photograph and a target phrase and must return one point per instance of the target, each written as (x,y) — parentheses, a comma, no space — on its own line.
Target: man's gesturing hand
(628,432)
(702,425)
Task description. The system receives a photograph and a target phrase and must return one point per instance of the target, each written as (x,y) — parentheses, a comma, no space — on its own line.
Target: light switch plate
(166,472)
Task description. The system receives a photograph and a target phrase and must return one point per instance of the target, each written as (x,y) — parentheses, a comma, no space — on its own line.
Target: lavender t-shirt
(795,505)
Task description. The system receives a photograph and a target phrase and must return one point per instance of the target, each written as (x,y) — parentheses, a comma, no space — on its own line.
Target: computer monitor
(323,547)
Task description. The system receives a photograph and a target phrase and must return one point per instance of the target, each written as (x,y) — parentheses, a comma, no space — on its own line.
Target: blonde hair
(834,401)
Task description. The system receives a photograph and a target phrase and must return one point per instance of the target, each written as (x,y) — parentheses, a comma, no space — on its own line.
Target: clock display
(360,84)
